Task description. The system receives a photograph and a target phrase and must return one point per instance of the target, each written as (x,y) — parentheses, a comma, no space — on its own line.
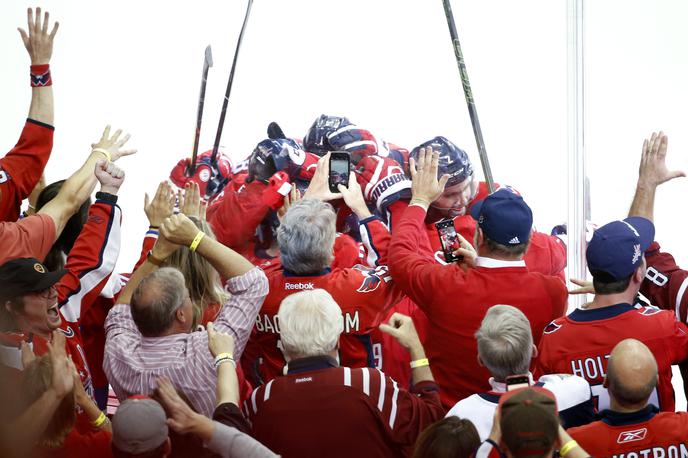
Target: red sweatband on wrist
(40,76)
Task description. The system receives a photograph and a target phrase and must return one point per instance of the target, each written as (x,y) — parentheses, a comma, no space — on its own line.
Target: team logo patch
(371,278)
(651,310)
(39,268)
(631,436)
(204,175)
(636,253)
(69,332)
(552,327)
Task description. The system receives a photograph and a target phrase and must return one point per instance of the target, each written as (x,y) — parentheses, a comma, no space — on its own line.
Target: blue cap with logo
(617,248)
(504,217)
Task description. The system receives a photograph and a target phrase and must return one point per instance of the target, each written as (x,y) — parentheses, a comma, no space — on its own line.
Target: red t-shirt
(30,237)
(23,166)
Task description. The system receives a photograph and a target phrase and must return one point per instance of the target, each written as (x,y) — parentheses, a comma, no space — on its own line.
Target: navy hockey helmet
(315,140)
(453,160)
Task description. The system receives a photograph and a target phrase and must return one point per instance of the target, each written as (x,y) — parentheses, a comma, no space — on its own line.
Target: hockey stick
(216,145)
(472,111)
(207,63)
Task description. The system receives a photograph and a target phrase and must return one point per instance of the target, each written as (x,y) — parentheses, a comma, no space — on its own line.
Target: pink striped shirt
(133,362)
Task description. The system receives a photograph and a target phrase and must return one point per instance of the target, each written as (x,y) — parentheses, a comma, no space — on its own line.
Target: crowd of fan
(269,315)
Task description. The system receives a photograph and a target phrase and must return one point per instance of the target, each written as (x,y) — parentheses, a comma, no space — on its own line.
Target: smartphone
(340,164)
(449,240)
(514,382)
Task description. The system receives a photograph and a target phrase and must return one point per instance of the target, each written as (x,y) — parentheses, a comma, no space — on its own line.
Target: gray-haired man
(505,348)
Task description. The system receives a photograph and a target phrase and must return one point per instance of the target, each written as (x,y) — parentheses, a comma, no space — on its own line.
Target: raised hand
(180,417)
(425,186)
(110,146)
(402,329)
(38,42)
(219,342)
(653,170)
(109,175)
(63,380)
(353,197)
(162,205)
(190,202)
(289,200)
(319,188)
(179,229)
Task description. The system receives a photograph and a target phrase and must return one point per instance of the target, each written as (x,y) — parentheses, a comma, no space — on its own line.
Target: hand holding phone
(449,240)
(340,167)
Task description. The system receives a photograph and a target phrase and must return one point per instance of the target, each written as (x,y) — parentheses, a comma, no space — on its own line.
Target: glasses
(46,293)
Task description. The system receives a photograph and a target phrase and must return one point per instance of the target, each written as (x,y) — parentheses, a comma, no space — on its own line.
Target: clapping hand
(162,205)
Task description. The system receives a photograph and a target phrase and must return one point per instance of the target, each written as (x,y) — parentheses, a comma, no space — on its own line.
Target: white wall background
(386,64)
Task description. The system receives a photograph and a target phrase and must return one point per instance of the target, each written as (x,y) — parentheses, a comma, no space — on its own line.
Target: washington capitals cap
(617,248)
(26,275)
(504,217)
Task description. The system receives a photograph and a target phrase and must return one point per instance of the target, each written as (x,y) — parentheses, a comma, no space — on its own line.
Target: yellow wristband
(196,241)
(567,447)
(104,152)
(98,422)
(420,363)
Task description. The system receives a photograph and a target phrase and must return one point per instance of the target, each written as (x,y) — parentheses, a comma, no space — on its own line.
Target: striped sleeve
(375,238)
(237,317)
(91,260)
(405,414)
(665,284)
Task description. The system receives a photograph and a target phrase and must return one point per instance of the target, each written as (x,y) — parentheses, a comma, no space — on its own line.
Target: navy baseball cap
(617,248)
(504,217)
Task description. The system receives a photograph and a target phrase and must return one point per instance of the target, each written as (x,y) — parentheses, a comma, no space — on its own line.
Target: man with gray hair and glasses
(306,239)
(505,348)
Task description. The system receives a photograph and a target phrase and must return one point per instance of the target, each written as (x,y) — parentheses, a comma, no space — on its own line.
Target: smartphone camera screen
(339,171)
(449,239)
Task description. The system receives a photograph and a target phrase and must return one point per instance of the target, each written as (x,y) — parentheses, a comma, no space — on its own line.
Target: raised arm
(38,41)
(653,172)
(81,184)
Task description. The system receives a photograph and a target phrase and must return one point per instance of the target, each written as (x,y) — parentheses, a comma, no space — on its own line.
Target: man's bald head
(631,374)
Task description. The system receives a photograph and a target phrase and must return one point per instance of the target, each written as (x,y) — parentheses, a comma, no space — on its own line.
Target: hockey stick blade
(207,63)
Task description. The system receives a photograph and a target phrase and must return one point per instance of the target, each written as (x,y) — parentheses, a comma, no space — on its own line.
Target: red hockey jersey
(363,293)
(665,283)
(645,433)
(455,303)
(22,167)
(89,265)
(581,342)
(319,409)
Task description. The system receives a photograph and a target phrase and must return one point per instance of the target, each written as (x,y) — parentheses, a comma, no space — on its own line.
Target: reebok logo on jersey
(514,241)
(631,436)
(299,286)
(304,379)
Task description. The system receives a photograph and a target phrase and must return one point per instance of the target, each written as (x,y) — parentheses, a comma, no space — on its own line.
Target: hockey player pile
(333,295)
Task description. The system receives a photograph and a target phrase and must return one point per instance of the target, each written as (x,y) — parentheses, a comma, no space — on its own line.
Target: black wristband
(107,197)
